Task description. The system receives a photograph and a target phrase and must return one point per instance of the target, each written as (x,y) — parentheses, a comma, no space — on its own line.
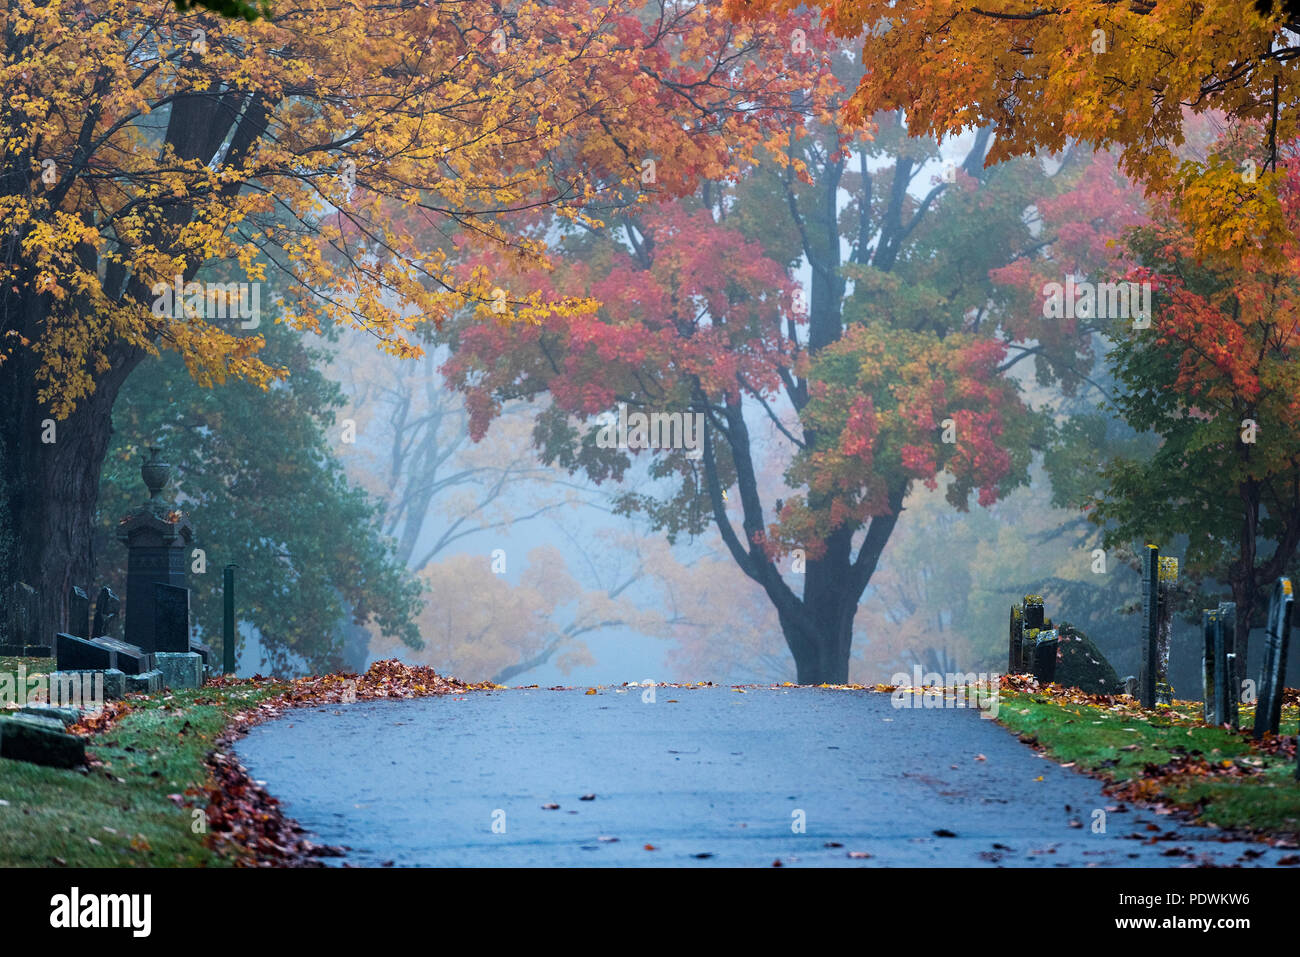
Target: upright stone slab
(180,670)
(127,658)
(1033,614)
(1150,626)
(171,619)
(1168,575)
(22,638)
(1045,654)
(1016,636)
(107,606)
(203,651)
(157,537)
(1226,688)
(1209,631)
(78,613)
(1268,708)
(78,654)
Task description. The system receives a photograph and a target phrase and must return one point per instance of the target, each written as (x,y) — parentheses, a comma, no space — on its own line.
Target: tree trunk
(51,481)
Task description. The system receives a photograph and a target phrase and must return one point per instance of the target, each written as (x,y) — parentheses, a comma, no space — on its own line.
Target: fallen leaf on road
(550,807)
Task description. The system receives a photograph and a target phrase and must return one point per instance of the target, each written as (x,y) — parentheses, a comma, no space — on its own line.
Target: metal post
(228,621)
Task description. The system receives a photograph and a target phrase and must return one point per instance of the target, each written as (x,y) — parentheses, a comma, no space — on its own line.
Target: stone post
(1226,689)
(1168,575)
(157,536)
(1209,629)
(1150,626)
(1268,707)
(1014,653)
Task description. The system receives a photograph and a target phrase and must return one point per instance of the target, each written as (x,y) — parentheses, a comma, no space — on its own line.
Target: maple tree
(1111,75)
(1217,379)
(699,315)
(324,143)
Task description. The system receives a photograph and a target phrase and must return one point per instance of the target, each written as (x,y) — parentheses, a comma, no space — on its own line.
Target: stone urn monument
(157,536)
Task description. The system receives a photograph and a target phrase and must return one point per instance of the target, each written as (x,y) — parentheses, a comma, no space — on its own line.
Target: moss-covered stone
(1081,665)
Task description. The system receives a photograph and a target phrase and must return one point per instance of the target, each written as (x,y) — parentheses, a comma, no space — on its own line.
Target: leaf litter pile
(246,823)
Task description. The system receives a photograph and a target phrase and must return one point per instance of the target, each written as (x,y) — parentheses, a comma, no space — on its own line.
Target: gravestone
(148,683)
(157,536)
(127,658)
(171,621)
(106,608)
(1168,575)
(1209,629)
(1268,708)
(1227,690)
(1150,626)
(78,654)
(206,653)
(40,740)
(1045,648)
(22,637)
(1015,654)
(180,670)
(1033,613)
(63,683)
(78,613)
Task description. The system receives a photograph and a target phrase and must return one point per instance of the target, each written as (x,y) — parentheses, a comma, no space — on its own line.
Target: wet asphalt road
(707,776)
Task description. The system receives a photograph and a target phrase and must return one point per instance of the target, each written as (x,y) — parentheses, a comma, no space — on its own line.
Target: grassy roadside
(121,812)
(1168,756)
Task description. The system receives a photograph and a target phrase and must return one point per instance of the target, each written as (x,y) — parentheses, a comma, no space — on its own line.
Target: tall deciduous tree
(1217,379)
(142,144)
(1121,75)
(867,390)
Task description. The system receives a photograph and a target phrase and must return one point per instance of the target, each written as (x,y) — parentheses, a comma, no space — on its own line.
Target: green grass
(120,814)
(1100,741)
(33,665)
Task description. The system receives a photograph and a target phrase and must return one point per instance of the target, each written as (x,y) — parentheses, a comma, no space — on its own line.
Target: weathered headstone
(78,654)
(1268,707)
(127,658)
(1045,649)
(1150,626)
(1227,691)
(1015,655)
(40,740)
(148,683)
(203,651)
(1209,632)
(106,609)
(1168,574)
(78,613)
(21,623)
(1033,612)
(180,670)
(171,619)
